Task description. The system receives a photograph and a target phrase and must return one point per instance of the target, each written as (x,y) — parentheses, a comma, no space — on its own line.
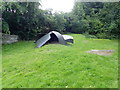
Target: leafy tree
(97,18)
(27,20)
(20,17)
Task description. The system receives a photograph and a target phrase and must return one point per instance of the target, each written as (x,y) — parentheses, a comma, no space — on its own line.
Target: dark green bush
(5,27)
(87,35)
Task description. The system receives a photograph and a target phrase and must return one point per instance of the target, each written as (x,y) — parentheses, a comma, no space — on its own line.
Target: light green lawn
(60,66)
(0,67)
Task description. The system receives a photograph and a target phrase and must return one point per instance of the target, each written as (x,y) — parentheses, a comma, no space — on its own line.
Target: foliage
(60,66)
(26,19)
(100,19)
(5,27)
(87,35)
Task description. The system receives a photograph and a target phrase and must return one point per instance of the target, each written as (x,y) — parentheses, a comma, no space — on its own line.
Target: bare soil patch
(101,52)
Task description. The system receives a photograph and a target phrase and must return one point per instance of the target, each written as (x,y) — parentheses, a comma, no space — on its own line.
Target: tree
(20,17)
(97,18)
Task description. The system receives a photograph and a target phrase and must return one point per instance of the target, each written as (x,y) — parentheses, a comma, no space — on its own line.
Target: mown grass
(0,66)
(59,66)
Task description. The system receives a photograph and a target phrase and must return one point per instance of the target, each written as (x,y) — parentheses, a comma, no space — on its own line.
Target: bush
(106,36)
(5,27)
(101,35)
(87,35)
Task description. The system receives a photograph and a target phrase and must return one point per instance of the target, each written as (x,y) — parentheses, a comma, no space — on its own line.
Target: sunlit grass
(59,66)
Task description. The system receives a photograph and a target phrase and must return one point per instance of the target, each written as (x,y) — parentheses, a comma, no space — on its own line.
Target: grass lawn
(60,66)
(0,76)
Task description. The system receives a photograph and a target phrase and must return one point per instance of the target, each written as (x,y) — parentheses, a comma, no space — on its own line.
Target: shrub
(5,27)
(87,35)
(101,35)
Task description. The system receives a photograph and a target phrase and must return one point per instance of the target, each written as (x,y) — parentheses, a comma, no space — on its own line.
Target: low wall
(7,39)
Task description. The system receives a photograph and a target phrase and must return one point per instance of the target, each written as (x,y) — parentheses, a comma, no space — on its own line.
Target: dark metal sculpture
(54,37)
(68,38)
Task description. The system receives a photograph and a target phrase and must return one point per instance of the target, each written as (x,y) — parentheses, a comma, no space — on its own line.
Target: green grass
(0,67)
(60,66)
